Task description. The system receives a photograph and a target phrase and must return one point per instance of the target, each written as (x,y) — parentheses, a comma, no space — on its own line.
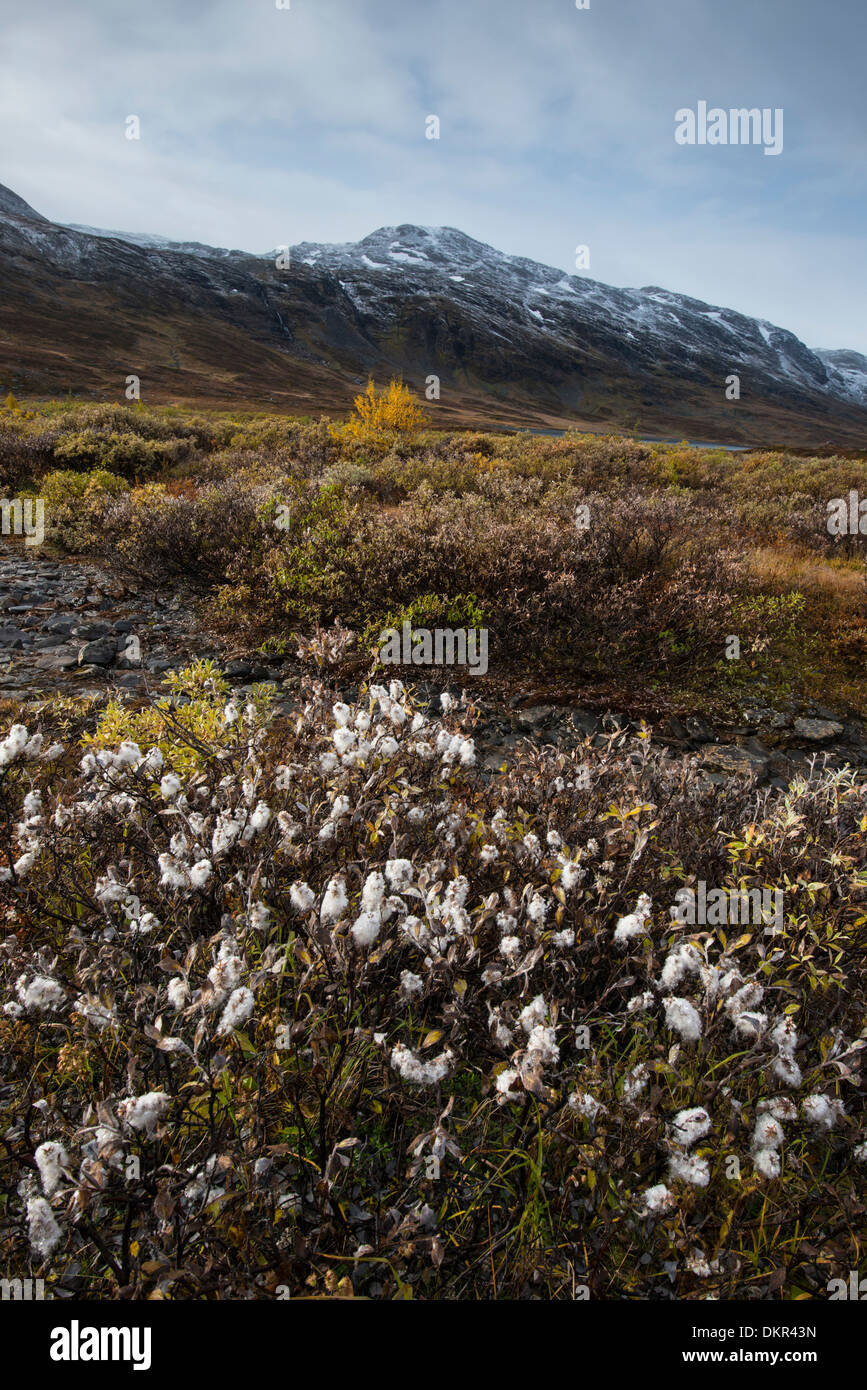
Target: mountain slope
(512,341)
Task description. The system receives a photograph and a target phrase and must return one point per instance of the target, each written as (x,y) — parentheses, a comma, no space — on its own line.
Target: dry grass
(843,580)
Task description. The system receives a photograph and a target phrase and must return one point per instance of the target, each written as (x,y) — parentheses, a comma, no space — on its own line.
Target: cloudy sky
(263,126)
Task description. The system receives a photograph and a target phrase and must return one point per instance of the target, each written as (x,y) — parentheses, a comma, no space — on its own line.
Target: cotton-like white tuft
(366,928)
(585,1105)
(200,873)
(44,1232)
(411,1068)
(145,1112)
(682,1017)
(178,991)
(658,1200)
(767,1163)
(688,1168)
(688,1126)
(399,874)
(301,896)
(238,1009)
(334,901)
(51,1159)
(42,994)
(822,1111)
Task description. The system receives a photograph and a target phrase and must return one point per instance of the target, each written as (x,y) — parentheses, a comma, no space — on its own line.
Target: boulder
(98,653)
(817,730)
(732,759)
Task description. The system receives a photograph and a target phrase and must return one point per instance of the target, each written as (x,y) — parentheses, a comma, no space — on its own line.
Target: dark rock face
(99,653)
(509,339)
(16,207)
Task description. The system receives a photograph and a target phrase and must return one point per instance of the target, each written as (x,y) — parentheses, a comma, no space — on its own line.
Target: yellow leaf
(432,1037)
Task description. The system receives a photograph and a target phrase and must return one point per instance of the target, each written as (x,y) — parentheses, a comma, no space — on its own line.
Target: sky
(262,127)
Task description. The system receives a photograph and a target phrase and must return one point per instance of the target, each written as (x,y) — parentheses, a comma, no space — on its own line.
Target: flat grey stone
(732,759)
(61,624)
(817,729)
(62,659)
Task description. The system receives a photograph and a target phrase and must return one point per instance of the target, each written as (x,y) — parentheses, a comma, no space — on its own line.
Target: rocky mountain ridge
(510,341)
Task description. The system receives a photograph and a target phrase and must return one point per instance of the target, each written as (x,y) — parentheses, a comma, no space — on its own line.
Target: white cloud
(263,126)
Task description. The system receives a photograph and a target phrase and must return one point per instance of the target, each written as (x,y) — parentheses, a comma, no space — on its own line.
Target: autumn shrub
(637,585)
(62,486)
(322,1008)
(154,534)
(24,457)
(154,424)
(76,505)
(304,539)
(641,595)
(428,611)
(259,467)
(182,740)
(308,447)
(382,416)
(125,453)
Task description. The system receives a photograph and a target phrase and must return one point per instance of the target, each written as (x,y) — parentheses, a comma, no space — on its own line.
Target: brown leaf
(164,1205)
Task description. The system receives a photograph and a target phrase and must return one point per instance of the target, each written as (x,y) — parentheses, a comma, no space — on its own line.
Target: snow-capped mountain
(151,242)
(510,340)
(438,260)
(852,368)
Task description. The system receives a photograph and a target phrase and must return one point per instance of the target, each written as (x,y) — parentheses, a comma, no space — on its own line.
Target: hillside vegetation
(598,563)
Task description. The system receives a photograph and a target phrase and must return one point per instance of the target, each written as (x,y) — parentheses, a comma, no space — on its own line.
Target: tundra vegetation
(312,1005)
(280,526)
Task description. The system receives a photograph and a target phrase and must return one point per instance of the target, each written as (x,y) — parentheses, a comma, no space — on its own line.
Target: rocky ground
(773,747)
(72,628)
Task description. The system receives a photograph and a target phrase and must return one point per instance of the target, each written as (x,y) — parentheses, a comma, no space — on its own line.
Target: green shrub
(65,485)
(429,611)
(76,505)
(125,453)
